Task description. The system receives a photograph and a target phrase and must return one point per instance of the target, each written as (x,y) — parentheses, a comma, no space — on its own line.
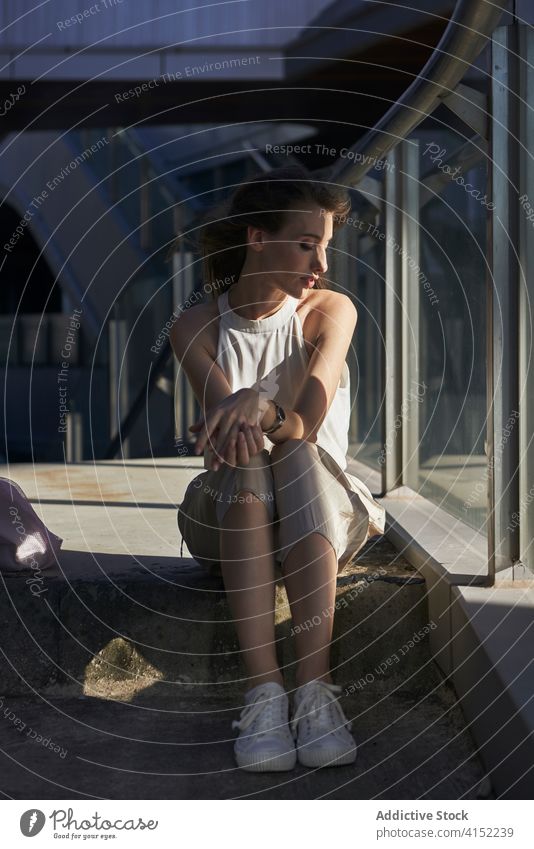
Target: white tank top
(269,354)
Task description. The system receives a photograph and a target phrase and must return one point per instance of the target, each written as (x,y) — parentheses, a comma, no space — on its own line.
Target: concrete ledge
(371,478)
(484,637)
(445,551)
(493,636)
(431,539)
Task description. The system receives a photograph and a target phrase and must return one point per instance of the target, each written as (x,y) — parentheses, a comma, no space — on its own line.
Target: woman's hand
(231,429)
(238,452)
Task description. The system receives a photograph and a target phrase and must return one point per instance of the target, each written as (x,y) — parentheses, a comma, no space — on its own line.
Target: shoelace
(315,698)
(270,711)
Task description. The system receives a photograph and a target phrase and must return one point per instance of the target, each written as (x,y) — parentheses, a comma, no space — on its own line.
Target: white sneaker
(265,743)
(320,727)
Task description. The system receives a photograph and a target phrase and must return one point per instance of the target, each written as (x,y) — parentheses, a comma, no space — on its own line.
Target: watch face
(280,419)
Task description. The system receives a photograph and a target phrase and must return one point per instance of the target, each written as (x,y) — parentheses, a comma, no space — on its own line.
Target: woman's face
(295,256)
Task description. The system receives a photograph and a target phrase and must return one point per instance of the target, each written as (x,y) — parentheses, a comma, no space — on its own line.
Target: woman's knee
(247,508)
(320,542)
(293,460)
(292,449)
(292,444)
(256,476)
(258,461)
(248,485)
(246,496)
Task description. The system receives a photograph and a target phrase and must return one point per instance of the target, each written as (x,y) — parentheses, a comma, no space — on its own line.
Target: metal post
(346,272)
(185,406)
(392,438)
(411,298)
(74,437)
(503,446)
(144,203)
(525,568)
(177,288)
(118,379)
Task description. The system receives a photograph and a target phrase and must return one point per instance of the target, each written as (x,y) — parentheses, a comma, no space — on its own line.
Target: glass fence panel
(452,467)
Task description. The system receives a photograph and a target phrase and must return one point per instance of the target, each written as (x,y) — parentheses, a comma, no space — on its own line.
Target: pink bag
(25,541)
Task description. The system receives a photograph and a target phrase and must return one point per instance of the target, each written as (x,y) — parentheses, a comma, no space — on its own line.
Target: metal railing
(467,33)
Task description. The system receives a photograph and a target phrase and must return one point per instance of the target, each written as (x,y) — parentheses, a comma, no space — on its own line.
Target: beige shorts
(304,491)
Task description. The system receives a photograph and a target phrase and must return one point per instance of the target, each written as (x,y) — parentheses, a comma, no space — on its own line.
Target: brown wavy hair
(265,201)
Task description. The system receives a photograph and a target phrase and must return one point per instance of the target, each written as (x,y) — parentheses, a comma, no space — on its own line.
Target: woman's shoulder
(319,299)
(333,297)
(203,310)
(320,305)
(197,322)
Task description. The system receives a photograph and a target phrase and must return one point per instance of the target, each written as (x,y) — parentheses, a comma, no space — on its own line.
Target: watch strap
(280,419)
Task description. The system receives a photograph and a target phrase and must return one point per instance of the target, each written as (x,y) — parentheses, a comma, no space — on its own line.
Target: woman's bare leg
(248,569)
(310,571)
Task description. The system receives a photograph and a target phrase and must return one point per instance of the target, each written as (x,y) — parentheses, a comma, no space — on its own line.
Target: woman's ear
(255,238)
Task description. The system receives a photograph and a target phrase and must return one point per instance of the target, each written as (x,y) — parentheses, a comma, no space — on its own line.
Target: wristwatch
(279,421)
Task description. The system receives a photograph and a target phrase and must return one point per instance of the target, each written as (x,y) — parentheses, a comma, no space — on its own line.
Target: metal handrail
(467,32)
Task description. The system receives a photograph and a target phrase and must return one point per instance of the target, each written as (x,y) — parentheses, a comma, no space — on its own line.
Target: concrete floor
(411,746)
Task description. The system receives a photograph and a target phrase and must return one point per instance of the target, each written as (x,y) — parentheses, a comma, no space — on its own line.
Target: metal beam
(463,159)
(471,106)
(466,35)
(372,190)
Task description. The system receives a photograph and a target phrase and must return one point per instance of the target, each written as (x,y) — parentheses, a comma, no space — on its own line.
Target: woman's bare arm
(335,330)
(189,340)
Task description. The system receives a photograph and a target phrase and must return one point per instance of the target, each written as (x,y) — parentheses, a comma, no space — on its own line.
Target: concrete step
(122,610)
(128,661)
(147,714)
(104,631)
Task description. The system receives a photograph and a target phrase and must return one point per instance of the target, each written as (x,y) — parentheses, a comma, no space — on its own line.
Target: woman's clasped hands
(231,429)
